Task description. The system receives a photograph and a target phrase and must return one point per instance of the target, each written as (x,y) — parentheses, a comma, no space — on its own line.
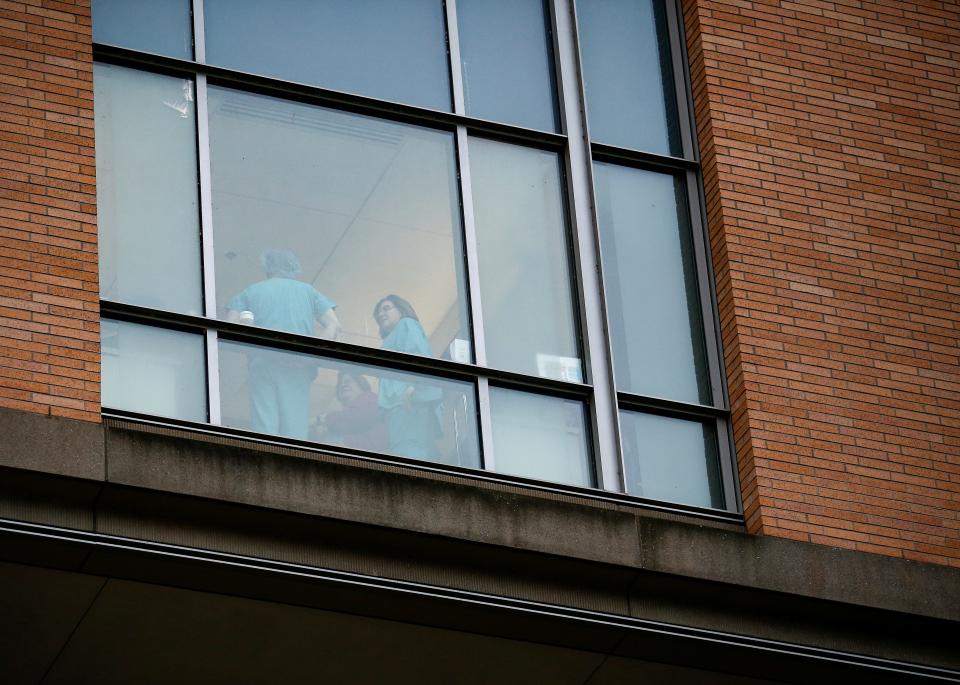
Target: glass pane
(160,26)
(540,437)
(153,371)
(656,326)
(389,50)
(320,215)
(627,74)
(147,189)
(507,62)
(362,407)
(525,285)
(671,459)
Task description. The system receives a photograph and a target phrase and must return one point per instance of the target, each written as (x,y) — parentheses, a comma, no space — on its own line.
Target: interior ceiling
(60,627)
(367,206)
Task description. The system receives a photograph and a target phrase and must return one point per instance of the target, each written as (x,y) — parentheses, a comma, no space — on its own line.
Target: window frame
(602,402)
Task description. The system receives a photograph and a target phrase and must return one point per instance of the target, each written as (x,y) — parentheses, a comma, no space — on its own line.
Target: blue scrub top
(407,336)
(283,304)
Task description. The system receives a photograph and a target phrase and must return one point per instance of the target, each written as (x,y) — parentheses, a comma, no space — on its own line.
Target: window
(392,229)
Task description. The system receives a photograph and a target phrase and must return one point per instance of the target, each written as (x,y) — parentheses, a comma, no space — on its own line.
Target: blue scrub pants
(412,432)
(280,397)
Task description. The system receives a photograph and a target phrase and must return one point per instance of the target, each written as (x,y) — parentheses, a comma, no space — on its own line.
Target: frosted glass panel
(147,209)
(318,211)
(153,371)
(160,26)
(540,437)
(527,303)
(351,405)
(656,326)
(389,50)
(628,78)
(671,459)
(507,62)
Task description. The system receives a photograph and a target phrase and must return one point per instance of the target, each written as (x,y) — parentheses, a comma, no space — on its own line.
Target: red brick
(831,162)
(46,151)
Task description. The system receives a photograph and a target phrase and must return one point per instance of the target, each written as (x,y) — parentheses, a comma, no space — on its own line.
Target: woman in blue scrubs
(411,410)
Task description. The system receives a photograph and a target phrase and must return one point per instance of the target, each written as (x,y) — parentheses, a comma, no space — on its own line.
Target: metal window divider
(608,457)
(470,237)
(696,201)
(211,339)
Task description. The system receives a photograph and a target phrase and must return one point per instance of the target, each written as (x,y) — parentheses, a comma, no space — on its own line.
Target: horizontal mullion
(341,351)
(638,158)
(358,104)
(425,466)
(659,405)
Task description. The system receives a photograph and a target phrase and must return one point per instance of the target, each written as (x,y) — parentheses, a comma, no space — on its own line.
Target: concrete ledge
(337,512)
(51,444)
(799,568)
(363,495)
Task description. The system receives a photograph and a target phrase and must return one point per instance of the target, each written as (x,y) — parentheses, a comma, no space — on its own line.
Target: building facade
(473,341)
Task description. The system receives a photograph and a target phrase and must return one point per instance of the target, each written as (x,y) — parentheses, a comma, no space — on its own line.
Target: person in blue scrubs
(280,382)
(411,410)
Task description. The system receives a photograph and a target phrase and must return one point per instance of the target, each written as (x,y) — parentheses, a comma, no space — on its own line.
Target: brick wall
(830,135)
(49,317)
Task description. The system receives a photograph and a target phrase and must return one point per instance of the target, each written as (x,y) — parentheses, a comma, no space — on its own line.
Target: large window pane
(318,211)
(540,437)
(388,50)
(507,62)
(528,315)
(362,407)
(147,189)
(153,371)
(671,459)
(656,327)
(627,74)
(160,26)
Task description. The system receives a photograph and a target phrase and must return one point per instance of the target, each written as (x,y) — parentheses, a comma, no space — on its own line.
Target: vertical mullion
(470,237)
(206,219)
(199,39)
(473,285)
(486,424)
(679,71)
(212,349)
(701,241)
(453,42)
(606,421)
(705,291)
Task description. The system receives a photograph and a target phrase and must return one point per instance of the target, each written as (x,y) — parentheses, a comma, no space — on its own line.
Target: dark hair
(405,308)
(357,378)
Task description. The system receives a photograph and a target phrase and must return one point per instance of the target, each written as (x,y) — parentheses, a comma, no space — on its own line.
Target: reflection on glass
(540,437)
(506,62)
(627,74)
(153,371)
(388,50)
(350,208)
(160,26)
(147,189)
(671,459)
(352,405)
(525,285)
(656,326)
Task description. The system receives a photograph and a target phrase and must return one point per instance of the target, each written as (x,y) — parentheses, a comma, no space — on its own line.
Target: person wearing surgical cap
(280,382)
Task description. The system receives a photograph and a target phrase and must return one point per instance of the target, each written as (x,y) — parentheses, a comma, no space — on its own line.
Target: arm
(328,325)
(237,304)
